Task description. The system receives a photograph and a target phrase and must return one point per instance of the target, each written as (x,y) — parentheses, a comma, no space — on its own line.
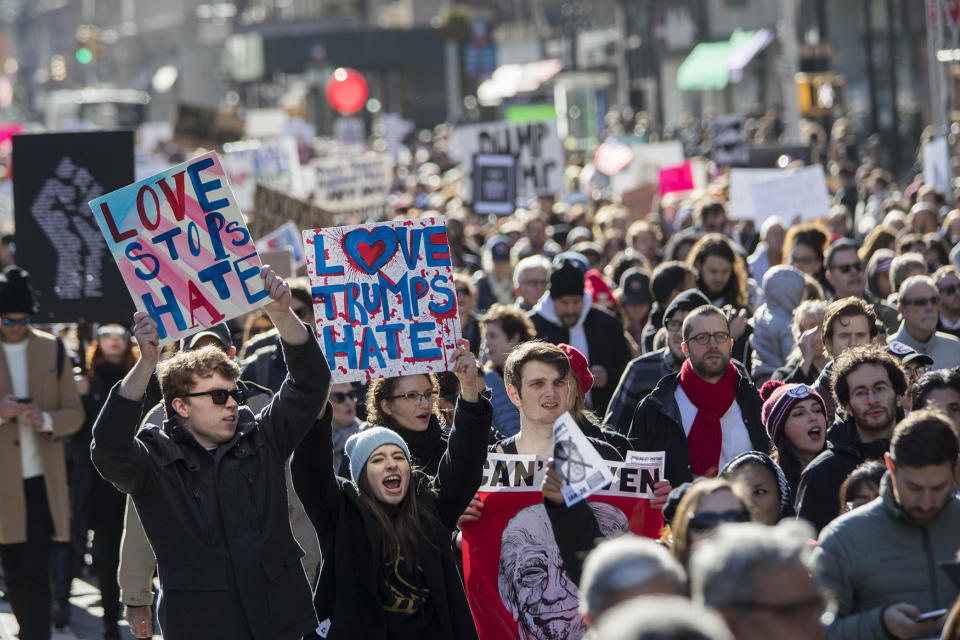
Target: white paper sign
(584,470)
(760,193)
(273,163)
(936,164)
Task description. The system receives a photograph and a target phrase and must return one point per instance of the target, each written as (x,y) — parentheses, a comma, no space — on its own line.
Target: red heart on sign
(371,252)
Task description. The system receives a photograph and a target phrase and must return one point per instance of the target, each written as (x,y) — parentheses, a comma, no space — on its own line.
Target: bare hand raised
(278,290)
(145,333)
(464,365)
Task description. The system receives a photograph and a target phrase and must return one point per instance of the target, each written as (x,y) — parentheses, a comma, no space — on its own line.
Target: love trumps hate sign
(384,298)
(182,247)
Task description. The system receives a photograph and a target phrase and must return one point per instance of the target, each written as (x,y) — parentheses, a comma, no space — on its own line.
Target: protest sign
(583,470)
(196,126)
(678,178)
(494,184)
(936,164)
(281,261)
(513,545)
(272,163)
(353,184)
(758,194)
(286,236)
(648,159)
(182,248)
(612,157)
(728,137)
(383,297)
(272,209)
(539,152)
(57,239)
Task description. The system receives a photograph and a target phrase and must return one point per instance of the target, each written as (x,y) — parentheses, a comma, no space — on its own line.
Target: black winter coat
(657,425)
(607,345)
(228,563)
(347,599)
(818,494)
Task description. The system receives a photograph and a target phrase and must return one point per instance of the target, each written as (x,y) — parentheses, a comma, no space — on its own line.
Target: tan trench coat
(60,399)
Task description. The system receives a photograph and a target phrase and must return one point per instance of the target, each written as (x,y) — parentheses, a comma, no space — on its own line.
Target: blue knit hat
(362,444)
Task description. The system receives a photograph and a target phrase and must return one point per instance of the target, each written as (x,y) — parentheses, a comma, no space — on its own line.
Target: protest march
(451,344)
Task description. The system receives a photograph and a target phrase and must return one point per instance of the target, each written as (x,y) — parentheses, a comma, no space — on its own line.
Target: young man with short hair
(867,384)
(847,322)
(948,286)
(882,561)
(209,485)
(846,275)
(707,413)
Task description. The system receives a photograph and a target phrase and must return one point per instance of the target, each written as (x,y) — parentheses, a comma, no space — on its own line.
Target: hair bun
(769,387)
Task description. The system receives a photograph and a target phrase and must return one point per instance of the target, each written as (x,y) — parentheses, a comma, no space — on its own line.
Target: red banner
(516,584)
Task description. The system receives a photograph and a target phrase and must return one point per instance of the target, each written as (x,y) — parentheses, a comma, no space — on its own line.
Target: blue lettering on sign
(201,188)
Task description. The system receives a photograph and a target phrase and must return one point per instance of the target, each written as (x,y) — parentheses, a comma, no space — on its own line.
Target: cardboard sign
(197,126)
(514,540)
(728,137)
(760,193)
(494,184)
(539,152)
(182,248)
(272,209)
(281,261)
(57,239)
(272,163)
(384,298)
(584,470)
(287,236)
(353,184)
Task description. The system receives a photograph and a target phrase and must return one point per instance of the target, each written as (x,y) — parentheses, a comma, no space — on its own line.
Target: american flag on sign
(612,157)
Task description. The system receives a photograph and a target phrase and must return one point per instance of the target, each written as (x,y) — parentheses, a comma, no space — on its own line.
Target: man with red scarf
(708,412)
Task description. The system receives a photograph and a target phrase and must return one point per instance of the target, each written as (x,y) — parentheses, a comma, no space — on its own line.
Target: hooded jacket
(818,494)
(772,339)
(604,339)
(874,556)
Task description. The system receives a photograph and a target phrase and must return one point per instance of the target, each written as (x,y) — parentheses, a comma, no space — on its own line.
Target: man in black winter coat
(209,485)
(867,385)
(566,316)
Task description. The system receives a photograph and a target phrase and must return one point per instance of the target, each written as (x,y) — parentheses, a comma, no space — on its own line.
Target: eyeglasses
(802,259)
(414,397)
(704,338)
(673,326)
(461,291)
(219,396)
(703,522)
(847,268)
(797,610)
(10,322)
(921,302)
(534,283)
(339,397)
(113,332)
(949,289)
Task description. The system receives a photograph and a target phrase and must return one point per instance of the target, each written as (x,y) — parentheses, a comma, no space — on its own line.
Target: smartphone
(932,615)
(25,400)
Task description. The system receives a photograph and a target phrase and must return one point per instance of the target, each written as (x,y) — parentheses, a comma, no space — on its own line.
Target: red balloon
(346,91)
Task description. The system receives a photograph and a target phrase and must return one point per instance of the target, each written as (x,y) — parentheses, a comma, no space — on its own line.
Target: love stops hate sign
(384,298)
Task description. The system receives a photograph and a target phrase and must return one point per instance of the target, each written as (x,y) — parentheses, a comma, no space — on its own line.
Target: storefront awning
(712,65)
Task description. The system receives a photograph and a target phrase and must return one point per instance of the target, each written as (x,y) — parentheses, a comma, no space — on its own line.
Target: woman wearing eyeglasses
(705,506)
(390,571)
(95,503)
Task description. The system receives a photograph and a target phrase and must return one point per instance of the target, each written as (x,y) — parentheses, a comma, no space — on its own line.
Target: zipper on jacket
(204,529)
(253,503)
(931,568)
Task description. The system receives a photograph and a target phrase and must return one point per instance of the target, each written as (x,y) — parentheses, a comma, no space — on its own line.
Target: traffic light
(88,44)
(819,94)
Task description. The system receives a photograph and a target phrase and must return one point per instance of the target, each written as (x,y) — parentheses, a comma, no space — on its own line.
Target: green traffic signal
(84,55)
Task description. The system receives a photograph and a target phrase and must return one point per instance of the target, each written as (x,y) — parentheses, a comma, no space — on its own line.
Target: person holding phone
(39,406)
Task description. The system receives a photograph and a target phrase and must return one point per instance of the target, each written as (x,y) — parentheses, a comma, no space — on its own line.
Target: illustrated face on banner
(533,584)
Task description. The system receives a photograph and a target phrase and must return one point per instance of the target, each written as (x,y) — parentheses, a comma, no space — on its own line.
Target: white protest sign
(351,183)
(758,194)
(539,151)
(648,159)
(272,163)
(936,164)
(584,470)
(384,298)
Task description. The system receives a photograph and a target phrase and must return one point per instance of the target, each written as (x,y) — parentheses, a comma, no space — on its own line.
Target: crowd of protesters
(802,378)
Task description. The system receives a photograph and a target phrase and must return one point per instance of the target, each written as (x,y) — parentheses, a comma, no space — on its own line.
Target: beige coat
(59,398)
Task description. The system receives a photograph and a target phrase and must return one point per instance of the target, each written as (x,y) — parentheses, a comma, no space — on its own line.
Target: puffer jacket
(873,557)
(772,340)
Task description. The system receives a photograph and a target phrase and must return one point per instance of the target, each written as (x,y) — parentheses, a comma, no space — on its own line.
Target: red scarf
(712,401)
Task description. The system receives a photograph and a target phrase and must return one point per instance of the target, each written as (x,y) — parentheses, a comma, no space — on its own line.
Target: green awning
(708,65)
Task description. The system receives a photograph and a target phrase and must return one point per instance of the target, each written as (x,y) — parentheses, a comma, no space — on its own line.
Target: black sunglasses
(338,397)
(219,396)
(703,522)
(950,289)
(847,268)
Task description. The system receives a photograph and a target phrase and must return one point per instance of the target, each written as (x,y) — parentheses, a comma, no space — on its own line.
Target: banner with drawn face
(516,583)
(384,298)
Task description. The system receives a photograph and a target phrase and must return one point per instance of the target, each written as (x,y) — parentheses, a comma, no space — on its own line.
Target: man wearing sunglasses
(39,405)
(847,277)
(209,484)
(919,306)
(707,413)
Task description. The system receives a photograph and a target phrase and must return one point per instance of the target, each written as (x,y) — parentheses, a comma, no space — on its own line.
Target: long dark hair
(715,244)
(401,526)
(785,454)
